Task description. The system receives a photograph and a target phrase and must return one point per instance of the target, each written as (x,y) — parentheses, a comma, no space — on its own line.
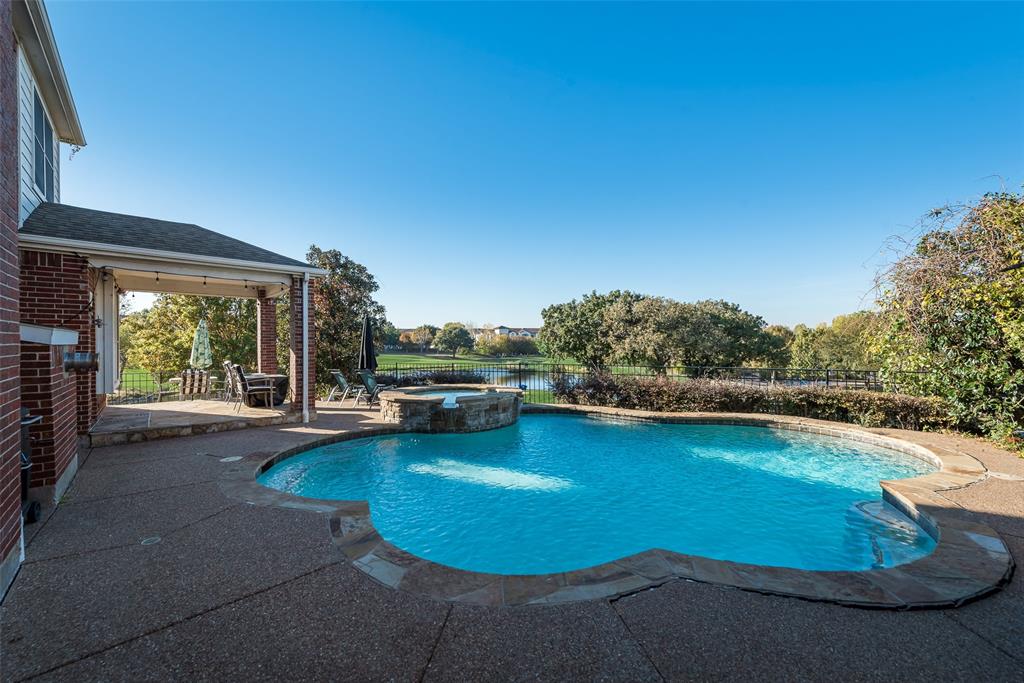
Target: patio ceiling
(174,278)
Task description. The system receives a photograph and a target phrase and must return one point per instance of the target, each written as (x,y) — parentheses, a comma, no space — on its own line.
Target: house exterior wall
(57,290)
(30,196)
(10,339)
(49,392)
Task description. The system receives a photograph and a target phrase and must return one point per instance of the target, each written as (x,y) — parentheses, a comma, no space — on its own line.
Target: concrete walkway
(148,572)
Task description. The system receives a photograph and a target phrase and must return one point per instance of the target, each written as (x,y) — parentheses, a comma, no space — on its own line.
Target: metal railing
(138,386)
(536,379)
(143,386)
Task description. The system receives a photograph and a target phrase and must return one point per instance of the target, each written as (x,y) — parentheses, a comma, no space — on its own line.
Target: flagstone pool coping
(970,559)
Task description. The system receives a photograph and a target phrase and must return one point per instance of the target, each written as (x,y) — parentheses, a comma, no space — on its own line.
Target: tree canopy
(578,330)
(159,339)
(341,300)
(423,336)
(452,338)
(625,327)
(844,344)
(950,306)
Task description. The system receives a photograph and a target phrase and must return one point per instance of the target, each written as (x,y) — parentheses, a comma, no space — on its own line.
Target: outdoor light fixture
(81,362)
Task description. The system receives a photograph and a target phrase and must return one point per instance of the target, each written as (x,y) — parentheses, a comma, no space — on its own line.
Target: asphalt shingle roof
(117,229)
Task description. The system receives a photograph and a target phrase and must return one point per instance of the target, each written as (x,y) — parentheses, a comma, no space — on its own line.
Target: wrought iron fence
(140,386)
(536,379)
(144,386)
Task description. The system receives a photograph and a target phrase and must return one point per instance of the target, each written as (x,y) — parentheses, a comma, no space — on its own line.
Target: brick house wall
(47,391)
(10,338)
(56,291)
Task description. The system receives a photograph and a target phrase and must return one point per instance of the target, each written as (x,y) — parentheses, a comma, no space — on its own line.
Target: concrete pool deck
(148,571)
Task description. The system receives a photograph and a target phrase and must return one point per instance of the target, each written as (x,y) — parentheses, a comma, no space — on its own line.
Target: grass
(137,380)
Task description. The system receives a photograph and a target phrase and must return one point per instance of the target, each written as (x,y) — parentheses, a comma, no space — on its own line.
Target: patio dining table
(280,383)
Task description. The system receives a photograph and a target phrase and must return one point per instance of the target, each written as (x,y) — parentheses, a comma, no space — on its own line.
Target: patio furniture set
(368,391)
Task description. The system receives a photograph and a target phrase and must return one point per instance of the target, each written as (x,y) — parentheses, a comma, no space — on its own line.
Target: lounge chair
(369,381)
(342,386)
(255,387)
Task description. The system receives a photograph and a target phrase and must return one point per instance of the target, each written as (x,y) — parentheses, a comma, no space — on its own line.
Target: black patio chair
(252,387)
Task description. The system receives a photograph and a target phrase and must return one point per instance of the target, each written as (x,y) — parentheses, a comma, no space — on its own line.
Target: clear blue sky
(486,160)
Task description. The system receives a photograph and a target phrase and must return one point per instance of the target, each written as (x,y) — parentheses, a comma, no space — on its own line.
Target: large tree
(342,298)
(625,327)
(778,352)
(577,330)
(452,338)
(423,336)
(725,335)
(952,306)
(160,338)
(844,344)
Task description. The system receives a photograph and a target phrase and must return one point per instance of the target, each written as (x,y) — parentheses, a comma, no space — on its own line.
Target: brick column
(10,338)
(295,352)
(266,333)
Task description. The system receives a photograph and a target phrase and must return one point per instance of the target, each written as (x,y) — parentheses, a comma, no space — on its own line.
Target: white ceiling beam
(197,270)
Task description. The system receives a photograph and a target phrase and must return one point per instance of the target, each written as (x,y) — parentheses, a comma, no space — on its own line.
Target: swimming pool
(555,493)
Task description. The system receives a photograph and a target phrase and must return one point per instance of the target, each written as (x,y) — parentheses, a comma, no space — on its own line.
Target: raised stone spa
(451,407)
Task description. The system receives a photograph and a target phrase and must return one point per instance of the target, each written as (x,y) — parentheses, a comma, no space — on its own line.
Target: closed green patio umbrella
(201,356)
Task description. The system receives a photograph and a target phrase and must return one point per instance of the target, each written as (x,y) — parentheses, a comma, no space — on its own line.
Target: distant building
(504,330)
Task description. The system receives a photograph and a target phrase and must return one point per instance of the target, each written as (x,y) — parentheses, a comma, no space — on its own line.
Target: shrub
(427,377)
(662,394)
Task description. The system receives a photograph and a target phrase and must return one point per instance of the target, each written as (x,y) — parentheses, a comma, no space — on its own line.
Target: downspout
(305,348)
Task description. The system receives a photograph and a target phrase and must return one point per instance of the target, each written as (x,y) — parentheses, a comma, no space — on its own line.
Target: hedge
(661,394)
(427,377)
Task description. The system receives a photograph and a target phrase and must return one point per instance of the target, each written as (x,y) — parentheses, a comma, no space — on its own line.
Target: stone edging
(970,559)
(139,434)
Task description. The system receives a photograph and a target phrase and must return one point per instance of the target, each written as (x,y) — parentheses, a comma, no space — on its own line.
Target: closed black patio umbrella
(367,358)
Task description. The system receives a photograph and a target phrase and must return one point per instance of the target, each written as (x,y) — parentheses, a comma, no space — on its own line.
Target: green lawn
(137,380)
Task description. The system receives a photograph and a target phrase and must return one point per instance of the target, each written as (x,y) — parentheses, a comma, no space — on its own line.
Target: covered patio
(110,254)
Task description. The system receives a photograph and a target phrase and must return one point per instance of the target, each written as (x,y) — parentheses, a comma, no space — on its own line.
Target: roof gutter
(35,35)
(67,246)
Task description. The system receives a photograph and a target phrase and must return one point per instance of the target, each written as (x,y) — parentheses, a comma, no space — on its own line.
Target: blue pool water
(555,493)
